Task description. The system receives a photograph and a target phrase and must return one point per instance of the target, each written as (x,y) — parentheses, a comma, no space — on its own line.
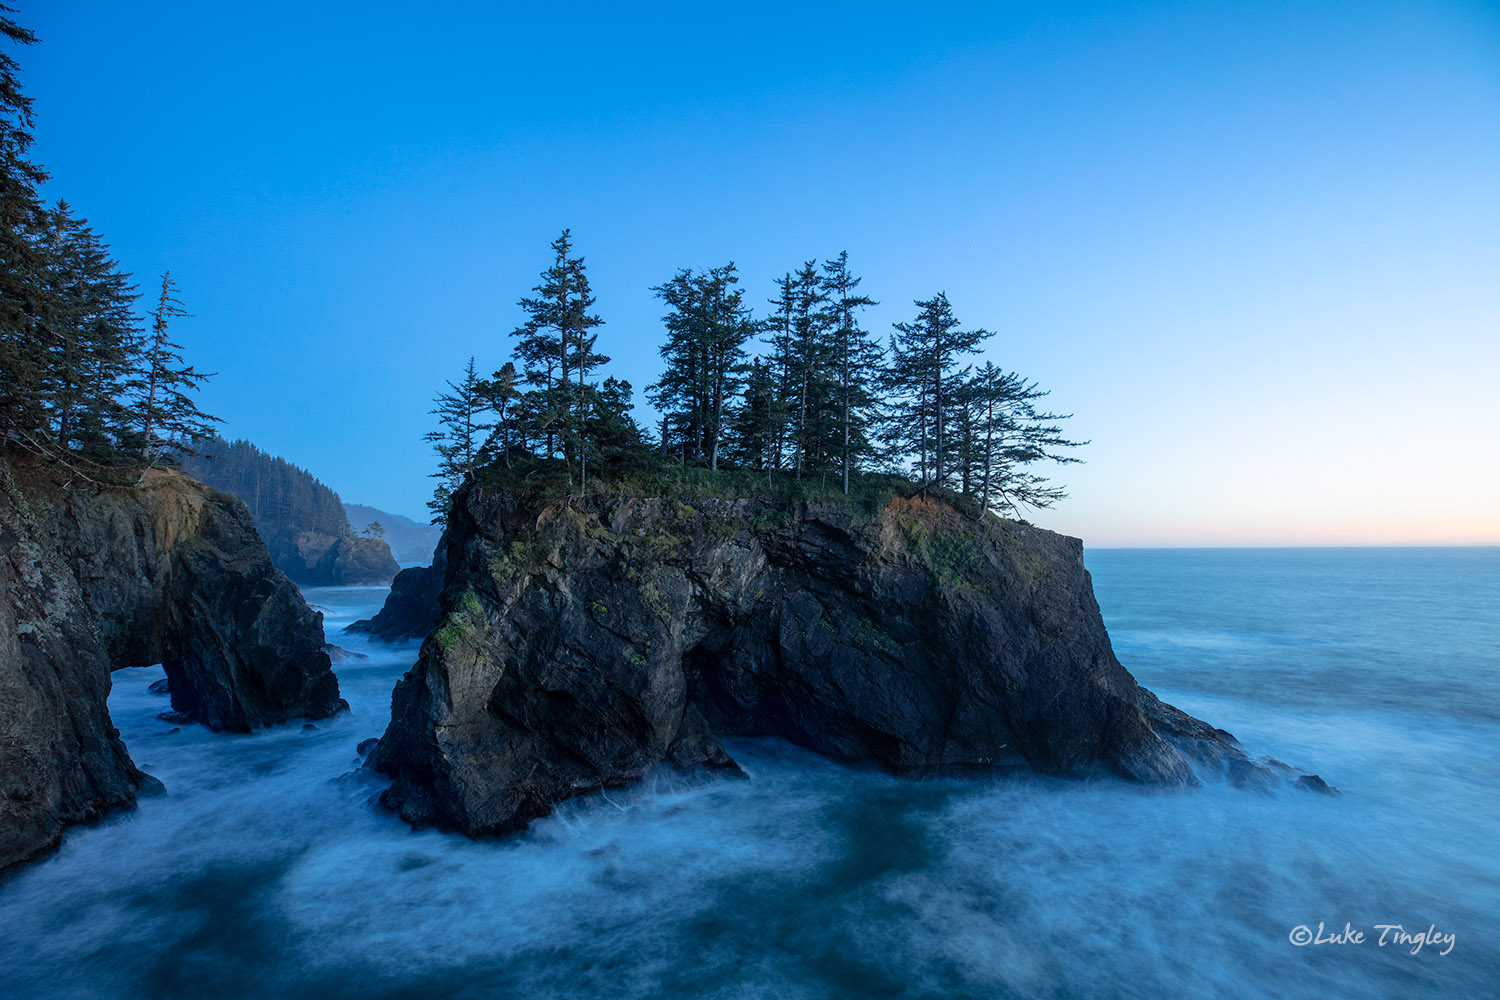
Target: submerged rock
(338,654)
(95,577)
(581,644)
(1313,783)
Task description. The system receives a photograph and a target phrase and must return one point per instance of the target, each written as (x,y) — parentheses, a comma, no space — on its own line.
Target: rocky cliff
(411,609)
(582,644)
(318,560)
(96,577)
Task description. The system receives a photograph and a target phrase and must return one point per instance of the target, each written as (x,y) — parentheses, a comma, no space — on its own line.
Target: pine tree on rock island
(707,327)
(500,393)
(857,362)
(1009,434)
(926,384)
(807,394)
(555,347)
(458,440)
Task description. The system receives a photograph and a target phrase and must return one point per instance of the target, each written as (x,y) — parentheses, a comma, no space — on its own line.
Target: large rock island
(95,577)
(582,643)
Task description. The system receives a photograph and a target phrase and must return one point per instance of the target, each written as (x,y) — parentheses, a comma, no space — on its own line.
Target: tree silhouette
(168,416)
(457,440)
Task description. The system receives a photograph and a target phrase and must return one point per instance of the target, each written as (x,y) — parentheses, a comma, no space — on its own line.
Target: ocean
(267,871)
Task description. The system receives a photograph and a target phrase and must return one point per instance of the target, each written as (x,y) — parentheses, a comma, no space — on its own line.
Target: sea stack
(583,642)
(102,576)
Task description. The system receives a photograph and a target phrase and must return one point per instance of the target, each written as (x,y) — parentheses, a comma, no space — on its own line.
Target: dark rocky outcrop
(411,608)
(582,644)
(1313,783)
(96,577)
(319,560)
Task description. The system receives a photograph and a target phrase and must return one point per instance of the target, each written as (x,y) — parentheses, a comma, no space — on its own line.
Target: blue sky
(1253,247)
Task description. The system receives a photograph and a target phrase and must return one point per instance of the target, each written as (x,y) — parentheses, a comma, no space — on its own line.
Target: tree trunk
(922,416)
(937,403)
(989,436)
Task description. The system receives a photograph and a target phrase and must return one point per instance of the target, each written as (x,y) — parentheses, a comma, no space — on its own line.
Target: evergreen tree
(78,382)
(822,364)
(556,348)
(22,362)
(457,440)
(965,449)
(681,391)
(755,425)
(610,439)
(1010,434)
(168,416)
(501,395)
(707,327)
(811,364)
(925,380)
(781,366)
(89,325)
(857,363)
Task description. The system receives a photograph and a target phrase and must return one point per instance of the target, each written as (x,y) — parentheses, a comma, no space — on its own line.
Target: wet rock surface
(96,577)
(582,644)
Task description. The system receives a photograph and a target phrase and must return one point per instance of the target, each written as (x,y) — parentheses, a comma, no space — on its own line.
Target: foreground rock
(98,577)
(582,645)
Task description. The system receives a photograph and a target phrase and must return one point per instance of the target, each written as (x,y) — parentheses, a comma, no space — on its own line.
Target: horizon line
(1308,545)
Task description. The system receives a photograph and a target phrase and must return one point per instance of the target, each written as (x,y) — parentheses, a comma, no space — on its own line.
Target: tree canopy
(804,393)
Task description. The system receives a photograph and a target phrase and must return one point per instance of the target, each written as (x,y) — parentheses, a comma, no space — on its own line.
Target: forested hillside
(301,519)
(279,494)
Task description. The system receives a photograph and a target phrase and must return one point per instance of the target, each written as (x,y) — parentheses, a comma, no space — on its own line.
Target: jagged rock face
(61,759)
(582,645)
(176,574)
(321,560)
(411,608)
(94,577)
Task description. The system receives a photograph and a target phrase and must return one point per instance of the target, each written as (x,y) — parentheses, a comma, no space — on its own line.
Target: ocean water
(266,871)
